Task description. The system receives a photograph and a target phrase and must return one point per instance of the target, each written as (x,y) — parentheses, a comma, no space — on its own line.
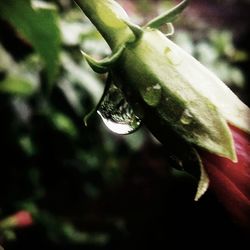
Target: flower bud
(20,219)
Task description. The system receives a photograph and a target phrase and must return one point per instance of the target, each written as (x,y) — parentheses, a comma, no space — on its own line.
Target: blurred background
(86,187)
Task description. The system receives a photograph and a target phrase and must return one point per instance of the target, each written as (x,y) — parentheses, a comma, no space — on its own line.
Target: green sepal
(168,16)
(137,30)
(94,110)
(203,181)
(94,64)
(103,66)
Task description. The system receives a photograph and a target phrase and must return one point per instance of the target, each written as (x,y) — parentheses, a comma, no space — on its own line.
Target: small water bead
(117,114)
(152,94)
(186,117)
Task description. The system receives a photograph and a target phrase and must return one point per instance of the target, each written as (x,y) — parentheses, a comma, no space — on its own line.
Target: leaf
(64,124)
(83,77)
(38,23)
(17,86)
(6,61)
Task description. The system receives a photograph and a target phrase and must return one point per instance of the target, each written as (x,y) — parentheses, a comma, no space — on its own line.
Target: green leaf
(38,23)
(64,124)
(81,76)
(17,86)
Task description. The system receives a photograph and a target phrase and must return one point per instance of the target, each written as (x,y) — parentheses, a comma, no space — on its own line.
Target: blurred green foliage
(37,22)
(53,166)
(218,53)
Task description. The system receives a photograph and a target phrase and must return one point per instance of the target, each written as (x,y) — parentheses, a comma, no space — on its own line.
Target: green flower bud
(173,91)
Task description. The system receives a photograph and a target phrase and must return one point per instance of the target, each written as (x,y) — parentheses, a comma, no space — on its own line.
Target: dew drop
(186,117)
(117,114)
(152,94)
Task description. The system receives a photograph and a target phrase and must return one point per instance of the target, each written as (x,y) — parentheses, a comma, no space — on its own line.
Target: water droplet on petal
(117,114)
(186,117)
(152,94)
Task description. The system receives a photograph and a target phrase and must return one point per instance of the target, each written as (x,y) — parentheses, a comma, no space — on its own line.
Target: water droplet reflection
(117,114)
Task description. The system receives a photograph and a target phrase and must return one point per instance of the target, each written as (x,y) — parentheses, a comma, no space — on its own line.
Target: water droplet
(186,117)
(152,94)
(117,114)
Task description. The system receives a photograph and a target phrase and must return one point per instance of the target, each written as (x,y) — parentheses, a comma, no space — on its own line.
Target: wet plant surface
(87,187)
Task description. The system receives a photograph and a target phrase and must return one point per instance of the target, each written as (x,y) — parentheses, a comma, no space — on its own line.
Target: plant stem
(108,17)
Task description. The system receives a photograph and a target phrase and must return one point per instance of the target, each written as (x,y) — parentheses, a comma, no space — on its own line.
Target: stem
(108,17)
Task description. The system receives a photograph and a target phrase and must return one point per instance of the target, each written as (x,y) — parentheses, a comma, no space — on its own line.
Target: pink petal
(23,219)
(231,181)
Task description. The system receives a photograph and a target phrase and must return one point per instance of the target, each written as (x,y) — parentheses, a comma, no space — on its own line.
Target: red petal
(23,219)
(231,181)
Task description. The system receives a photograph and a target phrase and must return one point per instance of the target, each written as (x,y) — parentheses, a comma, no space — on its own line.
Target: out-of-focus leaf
(71,32)
(9,235)
(222,41)
(6,62)
(82,76)
(237,77)
(95,47)
(64,123)
(71,95)
(207,53)
(38,23)
(74,32)
(216,52)
(27,145)
(17,86)
(83,237)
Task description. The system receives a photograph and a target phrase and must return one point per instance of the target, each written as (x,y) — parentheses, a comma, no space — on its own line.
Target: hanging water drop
(117,114)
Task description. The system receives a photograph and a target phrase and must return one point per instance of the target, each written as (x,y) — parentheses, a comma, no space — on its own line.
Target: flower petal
(231,181)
